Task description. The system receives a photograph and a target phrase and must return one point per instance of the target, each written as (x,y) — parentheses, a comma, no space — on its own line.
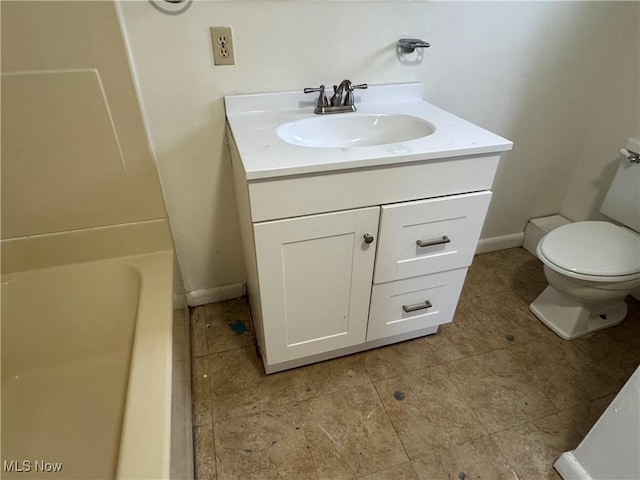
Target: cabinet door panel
(315,281)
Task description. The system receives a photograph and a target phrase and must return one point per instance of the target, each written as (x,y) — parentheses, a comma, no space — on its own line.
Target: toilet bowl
(591,266)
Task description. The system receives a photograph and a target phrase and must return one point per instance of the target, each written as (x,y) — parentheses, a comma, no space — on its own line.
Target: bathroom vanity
(357,228)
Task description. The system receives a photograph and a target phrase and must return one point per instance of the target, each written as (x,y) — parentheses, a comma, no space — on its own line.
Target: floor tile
(565,375)
(480,459)
(350,434)
(531,449)
(204,452)
(461,338)
(483,277)
(330,376)
(613,341)
(513,269)
(404,357)
(201,391)
(239,385)
(500,391)
(434,400)
(528,292)
(199,332)
(428,411)
(524,273)
(518,263)
(399,472)
(506,316)
(269,445)
(622,366)
(228,325)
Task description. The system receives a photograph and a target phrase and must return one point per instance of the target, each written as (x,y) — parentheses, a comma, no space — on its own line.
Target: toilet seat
(596,251)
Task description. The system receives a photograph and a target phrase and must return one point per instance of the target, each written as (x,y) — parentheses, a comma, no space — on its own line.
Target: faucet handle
(322,98)
(349,99)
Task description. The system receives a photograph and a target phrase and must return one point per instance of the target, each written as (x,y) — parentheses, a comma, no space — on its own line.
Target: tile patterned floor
(493,395)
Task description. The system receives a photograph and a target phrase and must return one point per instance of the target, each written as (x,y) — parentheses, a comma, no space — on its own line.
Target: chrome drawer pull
(431,243)
(420,306)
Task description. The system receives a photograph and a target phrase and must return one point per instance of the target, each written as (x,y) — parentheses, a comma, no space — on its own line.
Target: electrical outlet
(222,42)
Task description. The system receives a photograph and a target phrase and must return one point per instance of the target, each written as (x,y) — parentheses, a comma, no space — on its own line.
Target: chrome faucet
(337,104)
(347,86)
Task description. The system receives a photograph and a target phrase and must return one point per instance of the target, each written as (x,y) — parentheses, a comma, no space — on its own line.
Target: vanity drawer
(428,236)
(407,305)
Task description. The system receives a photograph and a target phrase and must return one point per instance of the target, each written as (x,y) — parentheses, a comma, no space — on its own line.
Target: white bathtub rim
(569,468)
(145,443)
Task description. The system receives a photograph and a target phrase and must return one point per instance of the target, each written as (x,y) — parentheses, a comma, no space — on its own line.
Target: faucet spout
(336,99)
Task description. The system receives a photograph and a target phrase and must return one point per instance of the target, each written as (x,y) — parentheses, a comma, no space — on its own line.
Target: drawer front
(407,305)
(361,187)
(428,236)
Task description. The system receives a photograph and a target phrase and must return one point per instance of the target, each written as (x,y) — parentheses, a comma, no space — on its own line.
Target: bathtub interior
(87,354)
(67,338)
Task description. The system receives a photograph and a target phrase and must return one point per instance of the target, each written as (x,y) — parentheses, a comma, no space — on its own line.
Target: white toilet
(592,266)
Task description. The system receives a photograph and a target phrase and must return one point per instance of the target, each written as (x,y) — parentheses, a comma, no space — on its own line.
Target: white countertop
(254,119)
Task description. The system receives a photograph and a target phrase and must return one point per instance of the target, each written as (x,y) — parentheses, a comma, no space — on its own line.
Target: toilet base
(571,319)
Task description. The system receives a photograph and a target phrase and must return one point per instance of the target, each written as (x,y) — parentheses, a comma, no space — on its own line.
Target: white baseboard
(492,244)
(215,294)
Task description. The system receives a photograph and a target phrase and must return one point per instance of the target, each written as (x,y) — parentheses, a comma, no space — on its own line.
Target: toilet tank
(622,202)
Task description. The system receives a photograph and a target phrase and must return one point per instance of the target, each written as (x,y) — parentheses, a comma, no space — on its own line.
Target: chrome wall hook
(408,45)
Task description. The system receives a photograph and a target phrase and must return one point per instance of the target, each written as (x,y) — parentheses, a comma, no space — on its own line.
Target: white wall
(531,71)
(616,119)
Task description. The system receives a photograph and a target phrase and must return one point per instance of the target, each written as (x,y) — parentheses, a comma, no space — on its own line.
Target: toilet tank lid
(593,248)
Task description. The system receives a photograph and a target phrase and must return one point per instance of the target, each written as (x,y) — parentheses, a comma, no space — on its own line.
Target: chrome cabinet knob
(368,238)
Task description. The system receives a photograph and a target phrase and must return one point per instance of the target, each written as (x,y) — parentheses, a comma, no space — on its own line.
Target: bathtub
(610,449)
(86,362)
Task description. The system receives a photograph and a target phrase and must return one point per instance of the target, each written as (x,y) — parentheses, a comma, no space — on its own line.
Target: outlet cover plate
(222,43)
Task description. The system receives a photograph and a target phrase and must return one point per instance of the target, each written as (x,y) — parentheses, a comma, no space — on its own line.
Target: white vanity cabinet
(324,284)
(348,249)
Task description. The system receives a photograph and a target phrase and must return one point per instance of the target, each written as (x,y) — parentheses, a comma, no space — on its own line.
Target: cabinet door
(315,277)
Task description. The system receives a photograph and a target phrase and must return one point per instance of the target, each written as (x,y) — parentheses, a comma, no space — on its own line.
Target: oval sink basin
(349,130)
